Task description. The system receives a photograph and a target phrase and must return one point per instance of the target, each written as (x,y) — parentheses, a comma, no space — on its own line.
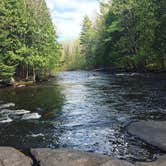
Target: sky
(68,15)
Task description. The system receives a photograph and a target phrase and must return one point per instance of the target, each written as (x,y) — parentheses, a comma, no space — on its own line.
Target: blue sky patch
(68,15)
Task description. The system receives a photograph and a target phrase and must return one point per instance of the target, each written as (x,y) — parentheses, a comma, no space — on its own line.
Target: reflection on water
(83,110)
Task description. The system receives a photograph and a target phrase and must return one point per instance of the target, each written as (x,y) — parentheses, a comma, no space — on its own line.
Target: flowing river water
(84,110)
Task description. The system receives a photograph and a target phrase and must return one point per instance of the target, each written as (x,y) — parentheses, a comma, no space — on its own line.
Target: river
(84,110)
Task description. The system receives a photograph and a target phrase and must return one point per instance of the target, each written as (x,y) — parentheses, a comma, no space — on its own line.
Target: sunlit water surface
(84,110)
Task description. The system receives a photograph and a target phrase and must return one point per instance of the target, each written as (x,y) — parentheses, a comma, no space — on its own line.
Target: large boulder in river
(64,157)
(152,132)
(12,157)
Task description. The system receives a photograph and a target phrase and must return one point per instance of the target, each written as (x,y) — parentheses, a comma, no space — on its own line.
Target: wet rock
(7,105)
(152,132)
(160,162)
(12,157)
(14,112)
(31,116)
(5,120)
(63,157)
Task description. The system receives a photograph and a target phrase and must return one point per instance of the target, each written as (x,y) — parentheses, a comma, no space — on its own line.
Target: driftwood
(23,83)
(15,84)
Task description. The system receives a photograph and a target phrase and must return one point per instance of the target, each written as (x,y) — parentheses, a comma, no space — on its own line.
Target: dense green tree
(71,57)
(160,35)
(127,34)
(87,41)
(28,49)
(10,28)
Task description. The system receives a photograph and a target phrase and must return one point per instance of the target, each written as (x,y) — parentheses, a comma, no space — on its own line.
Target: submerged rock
(14,112)
(31,116)
(7,105)
(152,132)
(9,115)
(64,157)
(5,120)
(12,157)
(21,112)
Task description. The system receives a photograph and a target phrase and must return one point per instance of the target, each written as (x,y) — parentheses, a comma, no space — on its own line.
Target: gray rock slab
(12,157)
(152,132)
(64,157)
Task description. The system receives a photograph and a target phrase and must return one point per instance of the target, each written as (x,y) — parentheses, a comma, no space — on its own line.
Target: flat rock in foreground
(64,157)
(152,132)
(12,157)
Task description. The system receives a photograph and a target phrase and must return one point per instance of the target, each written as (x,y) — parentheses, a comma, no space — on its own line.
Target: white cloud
(68,15)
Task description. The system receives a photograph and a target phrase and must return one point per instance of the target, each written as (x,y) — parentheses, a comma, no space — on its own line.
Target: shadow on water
(86,111)
(47,101)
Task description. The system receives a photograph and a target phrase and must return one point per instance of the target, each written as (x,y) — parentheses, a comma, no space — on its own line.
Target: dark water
(84,110)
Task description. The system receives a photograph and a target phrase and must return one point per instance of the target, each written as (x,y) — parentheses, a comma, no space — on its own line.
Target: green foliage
(71,58)
(6,72)
(28,39)
(128,34)
(87,42)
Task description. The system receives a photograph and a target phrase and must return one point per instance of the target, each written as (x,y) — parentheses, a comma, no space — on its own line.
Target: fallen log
(23,83)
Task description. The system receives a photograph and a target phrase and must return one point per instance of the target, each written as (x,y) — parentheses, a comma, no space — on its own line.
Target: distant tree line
(28,45)
(71,58)
(127,34)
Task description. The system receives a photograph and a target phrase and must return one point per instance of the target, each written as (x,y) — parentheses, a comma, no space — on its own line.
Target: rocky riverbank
(18,83)
(12,157)
(64,157)
(152,132)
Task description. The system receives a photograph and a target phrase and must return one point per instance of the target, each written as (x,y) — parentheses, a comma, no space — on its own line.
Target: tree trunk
(27,74)
(162,64)
(34,74)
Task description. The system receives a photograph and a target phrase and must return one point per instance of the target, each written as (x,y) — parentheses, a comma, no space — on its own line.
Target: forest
(82,82)
(126,35)
(29,48)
